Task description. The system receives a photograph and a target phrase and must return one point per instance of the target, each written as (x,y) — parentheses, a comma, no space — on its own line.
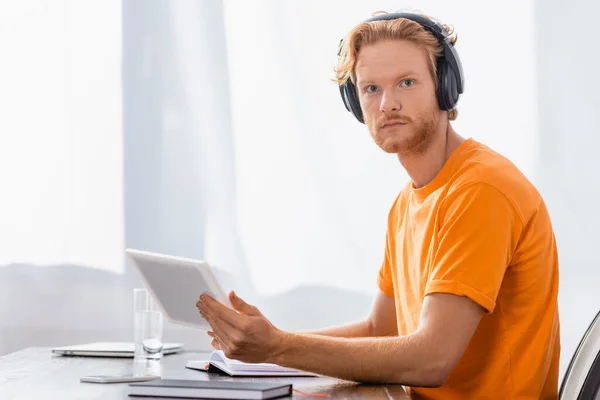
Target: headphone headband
(426,22)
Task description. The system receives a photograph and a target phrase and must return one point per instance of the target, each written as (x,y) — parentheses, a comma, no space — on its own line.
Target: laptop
(110,349)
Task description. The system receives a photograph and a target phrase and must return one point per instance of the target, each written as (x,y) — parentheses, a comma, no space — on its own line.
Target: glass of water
(147,327)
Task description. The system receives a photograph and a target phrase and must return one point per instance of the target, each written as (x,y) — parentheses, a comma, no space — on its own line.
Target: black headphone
(449,68)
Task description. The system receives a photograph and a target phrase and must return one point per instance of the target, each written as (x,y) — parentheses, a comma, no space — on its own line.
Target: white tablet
(176,284)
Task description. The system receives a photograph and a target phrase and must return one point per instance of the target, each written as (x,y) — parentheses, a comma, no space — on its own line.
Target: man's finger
(216,344)
(217,310)
(241,306)
(221,328)
(216,330)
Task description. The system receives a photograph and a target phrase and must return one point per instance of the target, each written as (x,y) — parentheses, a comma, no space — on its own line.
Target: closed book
(183,388)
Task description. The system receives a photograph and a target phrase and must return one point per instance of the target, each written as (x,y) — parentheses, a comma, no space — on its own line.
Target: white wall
(569,166)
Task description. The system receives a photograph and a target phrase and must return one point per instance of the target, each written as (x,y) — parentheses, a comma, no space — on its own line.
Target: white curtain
(61,161)
(313,191)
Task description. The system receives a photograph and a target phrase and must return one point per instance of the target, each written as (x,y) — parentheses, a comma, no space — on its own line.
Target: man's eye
(371,89)
(408,82)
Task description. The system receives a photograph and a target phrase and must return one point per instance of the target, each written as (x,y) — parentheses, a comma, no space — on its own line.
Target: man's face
(397,95)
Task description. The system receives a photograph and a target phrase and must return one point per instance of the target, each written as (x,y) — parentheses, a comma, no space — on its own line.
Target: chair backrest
(582,378)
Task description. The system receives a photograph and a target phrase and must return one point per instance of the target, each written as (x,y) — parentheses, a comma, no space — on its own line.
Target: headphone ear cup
(441,84)
(447,91)
(345,97)
(350,98)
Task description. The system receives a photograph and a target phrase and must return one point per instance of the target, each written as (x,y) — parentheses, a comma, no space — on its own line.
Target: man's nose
(390,102)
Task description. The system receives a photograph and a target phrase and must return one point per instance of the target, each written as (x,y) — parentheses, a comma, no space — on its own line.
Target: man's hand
(245,334)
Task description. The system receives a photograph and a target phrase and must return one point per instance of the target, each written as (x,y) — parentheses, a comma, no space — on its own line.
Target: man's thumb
(241,306)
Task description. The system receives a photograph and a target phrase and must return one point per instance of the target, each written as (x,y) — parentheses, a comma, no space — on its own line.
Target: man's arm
(424,358)
(380,322)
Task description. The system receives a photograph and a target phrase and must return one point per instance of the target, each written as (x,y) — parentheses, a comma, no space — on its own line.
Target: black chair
(582,378)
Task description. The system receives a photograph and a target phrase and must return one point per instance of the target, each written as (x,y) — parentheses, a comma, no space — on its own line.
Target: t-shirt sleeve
(384,279)
(479,229)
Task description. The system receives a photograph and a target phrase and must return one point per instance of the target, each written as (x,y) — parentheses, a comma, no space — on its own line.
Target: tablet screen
(176,285)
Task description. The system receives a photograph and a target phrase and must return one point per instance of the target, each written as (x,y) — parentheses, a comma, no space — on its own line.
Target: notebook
(210,389)
(218,362)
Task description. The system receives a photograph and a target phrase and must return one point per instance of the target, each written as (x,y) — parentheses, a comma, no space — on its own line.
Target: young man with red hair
(467,307)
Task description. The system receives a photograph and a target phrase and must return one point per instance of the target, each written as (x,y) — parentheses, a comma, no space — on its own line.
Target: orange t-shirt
(480,229)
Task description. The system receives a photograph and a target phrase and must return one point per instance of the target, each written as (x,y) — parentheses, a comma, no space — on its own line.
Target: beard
(414,137)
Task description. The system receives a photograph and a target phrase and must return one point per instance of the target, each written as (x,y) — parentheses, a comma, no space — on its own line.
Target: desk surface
(36,373)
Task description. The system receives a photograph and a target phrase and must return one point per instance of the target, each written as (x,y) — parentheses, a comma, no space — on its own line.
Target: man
(467,307)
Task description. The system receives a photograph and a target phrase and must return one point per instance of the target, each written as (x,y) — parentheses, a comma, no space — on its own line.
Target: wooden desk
(35,373)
